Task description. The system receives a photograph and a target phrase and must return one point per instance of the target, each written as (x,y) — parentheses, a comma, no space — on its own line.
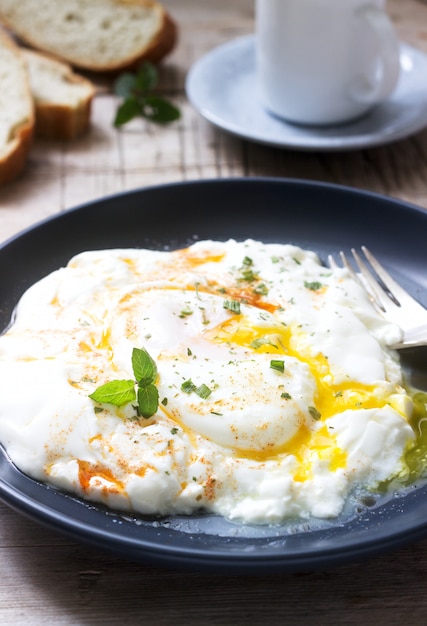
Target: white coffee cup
(324,61)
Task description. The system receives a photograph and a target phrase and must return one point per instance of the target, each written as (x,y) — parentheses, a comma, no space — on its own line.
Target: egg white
(262,443)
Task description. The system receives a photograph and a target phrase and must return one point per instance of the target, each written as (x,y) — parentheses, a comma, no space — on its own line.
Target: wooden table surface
(46,578)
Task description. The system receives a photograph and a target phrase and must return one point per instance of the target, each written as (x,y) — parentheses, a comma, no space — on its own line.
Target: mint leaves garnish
(142,389)
(117,392)
(144,367)
(138,99)
(148,400)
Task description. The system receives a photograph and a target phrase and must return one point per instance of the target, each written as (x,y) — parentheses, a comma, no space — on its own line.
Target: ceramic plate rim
(82,521)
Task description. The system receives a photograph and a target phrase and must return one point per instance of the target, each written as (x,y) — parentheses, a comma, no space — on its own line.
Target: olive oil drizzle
(415,457)
(414,460)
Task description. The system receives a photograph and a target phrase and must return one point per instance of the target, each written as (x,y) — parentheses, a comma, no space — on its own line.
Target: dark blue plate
(322,217)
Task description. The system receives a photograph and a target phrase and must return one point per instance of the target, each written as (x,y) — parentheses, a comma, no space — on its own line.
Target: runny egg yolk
(313,442)
(281,339)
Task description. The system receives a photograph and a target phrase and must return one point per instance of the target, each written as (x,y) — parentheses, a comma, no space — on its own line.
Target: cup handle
(389,70)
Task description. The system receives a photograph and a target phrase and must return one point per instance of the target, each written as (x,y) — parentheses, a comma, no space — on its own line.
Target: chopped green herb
(262,341)
(314,413)
(203,391)
(189,353)
(247,261)
(165,401)
(232,305)
(297,261)
(174,431)
(185,313)
(204,316)
(248,276)
(261,289)
(338,394)
(86,379)
(286,396)
(188,386)
(278,365)
(313,286)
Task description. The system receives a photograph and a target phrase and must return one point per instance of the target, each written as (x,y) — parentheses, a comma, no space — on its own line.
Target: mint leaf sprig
(138,99)
(144,391)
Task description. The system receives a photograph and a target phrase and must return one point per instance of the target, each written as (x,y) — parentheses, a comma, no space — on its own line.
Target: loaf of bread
(62,98)
(16,110)
(98,35)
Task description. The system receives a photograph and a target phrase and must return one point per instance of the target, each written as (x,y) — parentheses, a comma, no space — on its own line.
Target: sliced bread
(62,98)
(100,35)
(16,110)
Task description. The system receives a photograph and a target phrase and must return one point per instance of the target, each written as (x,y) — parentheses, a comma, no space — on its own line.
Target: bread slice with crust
(62,98)
(16,110)
(97,35)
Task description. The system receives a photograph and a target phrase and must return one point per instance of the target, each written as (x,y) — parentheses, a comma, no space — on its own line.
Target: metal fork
(390,300)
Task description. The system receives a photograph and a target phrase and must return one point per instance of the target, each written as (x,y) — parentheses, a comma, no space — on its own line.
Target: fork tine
(387,296)
(394,289)
(331,262)
(348,266)
(402,299)
(379,297)
(372,289)
(334,265)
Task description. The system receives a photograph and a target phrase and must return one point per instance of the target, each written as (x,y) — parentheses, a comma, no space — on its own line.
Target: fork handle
(417,336)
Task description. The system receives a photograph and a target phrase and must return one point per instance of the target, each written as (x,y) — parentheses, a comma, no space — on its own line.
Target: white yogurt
(303,403)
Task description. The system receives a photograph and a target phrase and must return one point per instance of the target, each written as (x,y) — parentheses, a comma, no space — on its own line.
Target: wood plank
(54,581)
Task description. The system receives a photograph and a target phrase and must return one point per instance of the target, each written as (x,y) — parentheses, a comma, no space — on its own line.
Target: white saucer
(222,87)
